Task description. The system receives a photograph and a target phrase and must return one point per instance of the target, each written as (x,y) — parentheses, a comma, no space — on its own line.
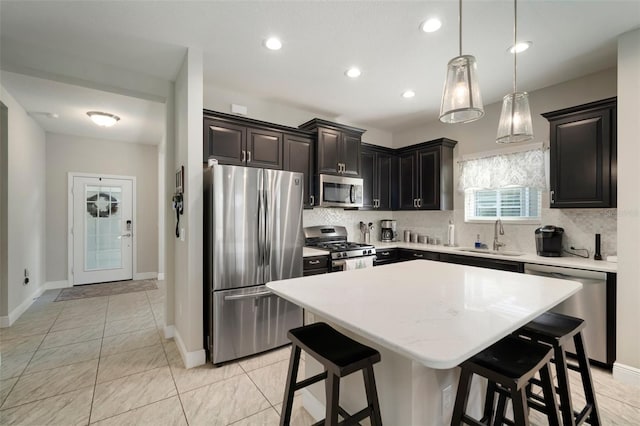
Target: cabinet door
(385,181)
(224,141)
(369,177)
(298,157)
(429,179)
(408,254)
(581,160)
(407,181)
(350,153)
(502,265)
(328,150)
(264,149)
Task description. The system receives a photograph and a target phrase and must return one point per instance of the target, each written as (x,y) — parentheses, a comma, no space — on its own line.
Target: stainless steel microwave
(339,191)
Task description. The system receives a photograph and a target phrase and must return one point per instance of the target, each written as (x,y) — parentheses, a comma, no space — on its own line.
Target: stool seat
(340,356)
(324,342)
(513,357)
(552,326)
(508,365)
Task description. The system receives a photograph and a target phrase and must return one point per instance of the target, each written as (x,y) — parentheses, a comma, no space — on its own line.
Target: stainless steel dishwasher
(590,304)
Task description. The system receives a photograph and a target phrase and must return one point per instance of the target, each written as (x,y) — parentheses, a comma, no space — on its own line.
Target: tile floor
(103,360)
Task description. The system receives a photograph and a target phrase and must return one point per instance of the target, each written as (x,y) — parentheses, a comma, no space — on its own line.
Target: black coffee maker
(549,241)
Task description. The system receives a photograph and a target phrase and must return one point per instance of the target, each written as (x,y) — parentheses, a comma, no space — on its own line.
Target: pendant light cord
(515,38)
(460,27)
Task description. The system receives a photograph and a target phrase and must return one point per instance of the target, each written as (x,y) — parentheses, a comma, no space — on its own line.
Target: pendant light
(515,118)
(461,100)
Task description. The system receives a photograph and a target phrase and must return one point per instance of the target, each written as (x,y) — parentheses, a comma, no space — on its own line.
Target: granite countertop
(565,261)
(438,314)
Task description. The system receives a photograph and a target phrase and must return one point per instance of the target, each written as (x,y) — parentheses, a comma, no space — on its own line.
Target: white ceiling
(322,38)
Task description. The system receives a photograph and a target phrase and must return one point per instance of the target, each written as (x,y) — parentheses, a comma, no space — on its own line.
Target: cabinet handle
(418,255)
(313,200)
(244,155)
(342,168)
(248,156)
(552,193)
(415,202)
(419,202)
(385,253)
(314,262)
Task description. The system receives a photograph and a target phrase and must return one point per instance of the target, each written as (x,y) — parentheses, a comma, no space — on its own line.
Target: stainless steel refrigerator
(253,235)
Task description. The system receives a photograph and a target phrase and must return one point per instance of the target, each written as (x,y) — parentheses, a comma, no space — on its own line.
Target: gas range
(334,240)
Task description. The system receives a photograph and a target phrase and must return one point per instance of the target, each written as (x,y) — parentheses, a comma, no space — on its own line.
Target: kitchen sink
(492,252)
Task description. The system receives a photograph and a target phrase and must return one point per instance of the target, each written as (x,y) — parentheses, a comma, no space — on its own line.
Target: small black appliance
(549,241)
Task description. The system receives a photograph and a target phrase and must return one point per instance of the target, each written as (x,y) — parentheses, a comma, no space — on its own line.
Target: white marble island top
(438,314)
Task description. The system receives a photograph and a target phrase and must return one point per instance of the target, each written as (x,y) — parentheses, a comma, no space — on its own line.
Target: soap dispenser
(478,244)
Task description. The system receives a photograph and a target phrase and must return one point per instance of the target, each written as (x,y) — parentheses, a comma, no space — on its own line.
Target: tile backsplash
(580,226)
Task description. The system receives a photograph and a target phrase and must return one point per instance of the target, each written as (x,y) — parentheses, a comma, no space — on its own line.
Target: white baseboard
(190,359)
(626,374)
(313,405)
(7,320)
(160,276)
(169,331)
(145,275)
(53,285)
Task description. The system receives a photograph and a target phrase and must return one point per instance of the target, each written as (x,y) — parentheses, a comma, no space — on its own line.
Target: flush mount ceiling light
(103,119)
(520,47)
(431,25)
(515,118)
(273,43)
(408,94)
(353,72)
(461,100)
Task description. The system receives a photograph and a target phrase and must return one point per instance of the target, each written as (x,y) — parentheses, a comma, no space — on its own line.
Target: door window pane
(103,248)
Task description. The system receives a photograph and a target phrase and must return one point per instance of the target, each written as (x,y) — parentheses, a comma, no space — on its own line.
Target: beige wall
(188,294)
(628,342)
(26,207)
(66,154)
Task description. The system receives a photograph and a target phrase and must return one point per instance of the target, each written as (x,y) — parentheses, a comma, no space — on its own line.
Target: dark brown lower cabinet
(386,256)
(315,265)
(408,254)
(503,265)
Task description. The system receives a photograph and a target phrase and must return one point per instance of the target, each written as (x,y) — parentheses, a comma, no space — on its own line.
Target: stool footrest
(584,414)
(311,380)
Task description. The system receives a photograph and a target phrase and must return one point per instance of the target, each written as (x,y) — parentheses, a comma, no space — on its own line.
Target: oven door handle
(351,198)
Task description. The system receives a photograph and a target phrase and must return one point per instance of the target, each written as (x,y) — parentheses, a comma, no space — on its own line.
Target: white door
(102,230)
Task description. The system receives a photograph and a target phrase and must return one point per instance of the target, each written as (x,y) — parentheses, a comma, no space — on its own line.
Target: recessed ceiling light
(431,25)
(273,43)
(103,119)
(353,72)
(520,47)
(408,94)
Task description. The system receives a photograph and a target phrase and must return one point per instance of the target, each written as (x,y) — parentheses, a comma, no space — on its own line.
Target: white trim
(169,331)
(53,285)
(145,276)
(7,320)
(626,374)
(160,276)
(70,177)
(190,359)
(313,405)
(503,151)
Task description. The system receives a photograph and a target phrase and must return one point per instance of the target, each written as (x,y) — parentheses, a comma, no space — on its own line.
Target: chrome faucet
(497,244)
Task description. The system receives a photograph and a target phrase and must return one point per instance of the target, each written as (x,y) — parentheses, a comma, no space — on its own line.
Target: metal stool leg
(289,391)
(587,383)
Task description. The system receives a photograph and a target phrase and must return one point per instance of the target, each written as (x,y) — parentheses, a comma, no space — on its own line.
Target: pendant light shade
(515,118)
(461,100)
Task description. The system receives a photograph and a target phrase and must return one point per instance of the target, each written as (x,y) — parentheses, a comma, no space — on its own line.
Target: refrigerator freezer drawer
(250,320)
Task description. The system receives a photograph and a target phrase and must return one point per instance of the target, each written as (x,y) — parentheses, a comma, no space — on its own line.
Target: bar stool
(508,365)
(557,330)
(340,356)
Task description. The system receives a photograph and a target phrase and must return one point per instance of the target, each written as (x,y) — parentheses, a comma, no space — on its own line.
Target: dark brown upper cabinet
(377,167)
(298,157)
(583,155)
(242,142)
(338,147)
(426,176)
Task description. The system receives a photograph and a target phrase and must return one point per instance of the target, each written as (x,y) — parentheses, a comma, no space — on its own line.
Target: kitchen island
(425,318)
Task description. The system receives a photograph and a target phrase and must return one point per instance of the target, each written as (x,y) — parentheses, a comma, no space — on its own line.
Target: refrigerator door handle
(267,241)
(248,296)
